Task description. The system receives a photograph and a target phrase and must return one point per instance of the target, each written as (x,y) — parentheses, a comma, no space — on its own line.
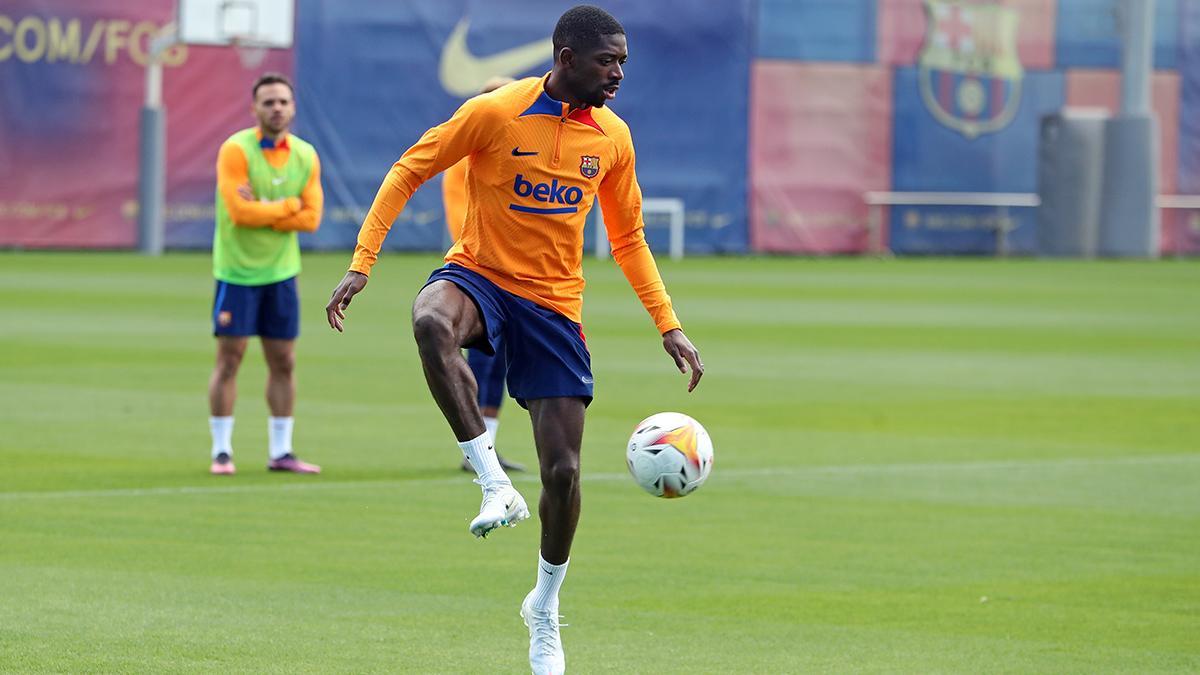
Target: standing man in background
(268,189)
(489,370)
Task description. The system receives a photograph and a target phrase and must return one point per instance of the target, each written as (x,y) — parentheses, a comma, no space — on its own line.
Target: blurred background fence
(781,125)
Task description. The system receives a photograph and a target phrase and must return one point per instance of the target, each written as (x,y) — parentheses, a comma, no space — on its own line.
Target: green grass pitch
(925,466)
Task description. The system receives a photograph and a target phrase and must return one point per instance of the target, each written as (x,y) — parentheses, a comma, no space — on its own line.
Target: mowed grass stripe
(922,466)
(727,475)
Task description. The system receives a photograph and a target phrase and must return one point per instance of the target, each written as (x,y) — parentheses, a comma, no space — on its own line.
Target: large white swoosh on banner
(463,74)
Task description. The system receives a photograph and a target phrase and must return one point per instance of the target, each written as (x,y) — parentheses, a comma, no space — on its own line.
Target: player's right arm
(233,172)
(469,130)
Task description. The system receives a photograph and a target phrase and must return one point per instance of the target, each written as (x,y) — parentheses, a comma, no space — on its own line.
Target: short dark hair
(271,78)
(582,27)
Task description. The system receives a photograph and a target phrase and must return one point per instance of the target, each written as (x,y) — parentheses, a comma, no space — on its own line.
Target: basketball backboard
(265,23)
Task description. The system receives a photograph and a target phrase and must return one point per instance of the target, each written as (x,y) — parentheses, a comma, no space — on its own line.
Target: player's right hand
(335,311)
(685,354)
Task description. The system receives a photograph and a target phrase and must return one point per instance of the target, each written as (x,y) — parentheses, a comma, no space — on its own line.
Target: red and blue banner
(812,157)
(374,76)
(968,82)
(770,118)
(71,87)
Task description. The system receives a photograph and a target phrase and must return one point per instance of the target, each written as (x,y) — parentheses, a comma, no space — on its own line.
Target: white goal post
(671,206)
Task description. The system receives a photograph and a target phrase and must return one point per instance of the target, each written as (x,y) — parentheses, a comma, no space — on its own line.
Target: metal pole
(1136,24)
(152,157)
(151,180)
(1129,221)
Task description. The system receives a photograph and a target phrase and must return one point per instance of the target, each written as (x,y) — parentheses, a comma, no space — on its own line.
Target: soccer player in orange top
(540,149)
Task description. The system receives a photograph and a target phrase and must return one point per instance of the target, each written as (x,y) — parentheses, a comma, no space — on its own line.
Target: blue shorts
(489,373)
(545,351)
(271,311)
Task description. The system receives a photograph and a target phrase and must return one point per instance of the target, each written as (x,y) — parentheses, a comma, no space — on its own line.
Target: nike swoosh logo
(277,181)
(463,74)
(517,152)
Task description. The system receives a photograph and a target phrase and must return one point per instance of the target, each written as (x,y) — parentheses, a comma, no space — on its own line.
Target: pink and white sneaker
(290,463)
(222,465)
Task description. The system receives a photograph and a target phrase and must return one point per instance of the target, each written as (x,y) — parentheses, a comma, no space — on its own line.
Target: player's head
(589,48)
(274,103)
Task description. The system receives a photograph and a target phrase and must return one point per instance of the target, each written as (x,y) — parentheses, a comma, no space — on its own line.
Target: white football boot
(502,505)
(545,646)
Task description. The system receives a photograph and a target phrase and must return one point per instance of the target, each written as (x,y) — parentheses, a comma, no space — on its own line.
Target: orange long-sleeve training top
(535,168)
(302,214)
(454,197)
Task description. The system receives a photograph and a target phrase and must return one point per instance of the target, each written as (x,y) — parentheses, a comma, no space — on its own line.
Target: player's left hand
(685,354)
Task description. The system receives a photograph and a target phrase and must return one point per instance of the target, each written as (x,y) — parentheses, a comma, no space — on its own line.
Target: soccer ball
(669,455)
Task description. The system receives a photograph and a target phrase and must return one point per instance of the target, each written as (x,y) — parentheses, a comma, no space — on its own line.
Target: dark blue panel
(959,230)
(930,156)
(817,30)
(544,105)
(1189,98)
(368,85)
(1088,36)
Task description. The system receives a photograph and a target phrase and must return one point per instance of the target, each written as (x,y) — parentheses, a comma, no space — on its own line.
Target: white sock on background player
(279,436)
(492,425)
(221,429)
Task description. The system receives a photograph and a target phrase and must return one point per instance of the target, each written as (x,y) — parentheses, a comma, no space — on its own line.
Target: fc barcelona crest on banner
(970,75)
(589,165)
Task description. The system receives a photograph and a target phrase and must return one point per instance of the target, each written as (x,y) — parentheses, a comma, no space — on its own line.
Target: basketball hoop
(249,26)
(251,52)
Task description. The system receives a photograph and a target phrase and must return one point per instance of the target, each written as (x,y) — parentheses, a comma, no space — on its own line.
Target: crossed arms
(300,214)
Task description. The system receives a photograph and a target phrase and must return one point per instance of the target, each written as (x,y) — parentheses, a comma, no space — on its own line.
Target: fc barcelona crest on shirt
(970,75)
(589,165)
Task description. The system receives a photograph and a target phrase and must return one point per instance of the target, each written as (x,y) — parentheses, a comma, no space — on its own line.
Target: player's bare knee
(227,366)
(433,331)
(282,365)
(561,475)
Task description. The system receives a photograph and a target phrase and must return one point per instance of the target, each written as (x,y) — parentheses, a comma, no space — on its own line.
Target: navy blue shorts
(271,311)
(489,372)
(545,351)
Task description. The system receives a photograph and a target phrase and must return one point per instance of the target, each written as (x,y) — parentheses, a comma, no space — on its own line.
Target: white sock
(279,434)
(549,580)
(482,455)
(222,435)
(492,425)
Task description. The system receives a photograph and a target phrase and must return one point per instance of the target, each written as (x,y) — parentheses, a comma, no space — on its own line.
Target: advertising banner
(71,87)
(815,152)
(374,76)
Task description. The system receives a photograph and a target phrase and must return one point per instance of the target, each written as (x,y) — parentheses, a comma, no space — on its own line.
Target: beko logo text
(547,192)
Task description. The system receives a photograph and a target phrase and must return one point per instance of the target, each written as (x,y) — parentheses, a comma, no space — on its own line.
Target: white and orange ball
(669,455)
